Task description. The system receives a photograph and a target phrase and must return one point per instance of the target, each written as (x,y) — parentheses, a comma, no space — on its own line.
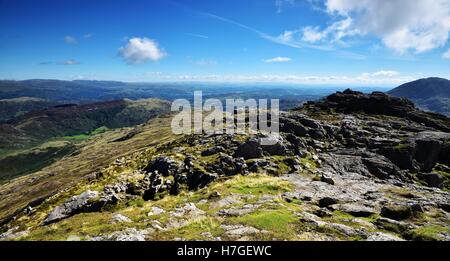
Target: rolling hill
(14,107)
(31,141)
(431,94)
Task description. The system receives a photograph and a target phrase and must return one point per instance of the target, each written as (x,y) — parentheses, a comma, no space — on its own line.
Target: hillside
(352,166)
(431,94)
(71,119)
(14,107)
(35,139)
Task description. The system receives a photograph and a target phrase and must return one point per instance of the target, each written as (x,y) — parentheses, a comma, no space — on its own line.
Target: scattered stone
(129,234)
(239,230)
(379,236)
(238,211)
(327,180)
(189,210)
(212,151)
(13,233)
(214,195)
(156,211)
(119,218)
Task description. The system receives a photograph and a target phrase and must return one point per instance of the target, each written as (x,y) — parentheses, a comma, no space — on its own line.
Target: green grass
(428,233)
(196,227)
(256,185)
(279,222)
(87,135)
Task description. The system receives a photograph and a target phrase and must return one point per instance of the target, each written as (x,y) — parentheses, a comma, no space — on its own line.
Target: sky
(336,42)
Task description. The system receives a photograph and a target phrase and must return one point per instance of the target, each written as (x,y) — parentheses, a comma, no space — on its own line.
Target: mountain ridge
(431,94)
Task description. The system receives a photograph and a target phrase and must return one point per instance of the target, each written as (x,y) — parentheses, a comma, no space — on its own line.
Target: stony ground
(379,171)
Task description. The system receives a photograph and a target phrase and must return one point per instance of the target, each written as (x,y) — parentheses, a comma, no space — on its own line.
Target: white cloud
(380,78)
(88,35)
(446,55)
(382,74)
(278,60)
(141,50)
(70,39)
(70,62)
(312,34)
(402,25)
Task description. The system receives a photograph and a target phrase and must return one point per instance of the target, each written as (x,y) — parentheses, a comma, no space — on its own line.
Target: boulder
(396,212)
(327,201)
(355,209)
(213,150)
(88,201)
(164,165)
(327,179)
(278,146)
(427,153)
(250,149)
(288,125)
(432,179)
(380,168)
(155,182)
(119,218)
(199,179)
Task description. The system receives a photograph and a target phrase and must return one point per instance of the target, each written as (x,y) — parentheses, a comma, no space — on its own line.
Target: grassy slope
(95,154)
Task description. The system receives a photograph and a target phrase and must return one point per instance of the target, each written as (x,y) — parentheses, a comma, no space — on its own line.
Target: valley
(340,171)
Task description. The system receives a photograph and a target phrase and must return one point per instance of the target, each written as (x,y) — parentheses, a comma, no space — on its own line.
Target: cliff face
(351,166)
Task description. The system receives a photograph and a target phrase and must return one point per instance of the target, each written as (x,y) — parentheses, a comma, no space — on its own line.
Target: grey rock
(249,150)
(327,201)
(356,209)
(156,211)
(89,201)
(396,212)
(119,218)
(379,236)
(213,150)
(432,179)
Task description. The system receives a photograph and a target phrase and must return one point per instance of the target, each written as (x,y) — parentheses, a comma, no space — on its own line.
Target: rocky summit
(352,166)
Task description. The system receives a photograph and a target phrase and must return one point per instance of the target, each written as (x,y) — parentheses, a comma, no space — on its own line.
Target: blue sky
(355,42)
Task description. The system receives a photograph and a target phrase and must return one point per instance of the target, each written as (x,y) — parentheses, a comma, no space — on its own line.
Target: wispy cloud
(70,62)
(281,39)
(45,63)
(198,35)
(278,60)
(70,39)
(281,4)
(88,35)
(446,55)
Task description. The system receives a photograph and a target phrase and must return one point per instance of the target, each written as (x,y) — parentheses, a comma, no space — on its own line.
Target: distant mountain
(14,107)
(431,94)
(290,96)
